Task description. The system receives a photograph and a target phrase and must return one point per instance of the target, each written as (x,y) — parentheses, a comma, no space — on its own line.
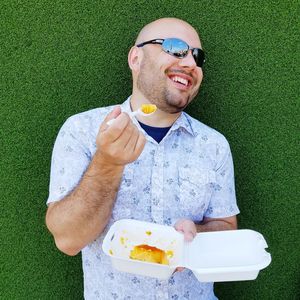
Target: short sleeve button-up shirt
(189,174)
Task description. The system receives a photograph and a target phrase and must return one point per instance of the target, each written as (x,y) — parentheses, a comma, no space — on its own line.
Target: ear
(134,58)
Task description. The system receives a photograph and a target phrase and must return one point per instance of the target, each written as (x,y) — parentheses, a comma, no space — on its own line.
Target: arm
(217,224)
(81,216)
(190,229)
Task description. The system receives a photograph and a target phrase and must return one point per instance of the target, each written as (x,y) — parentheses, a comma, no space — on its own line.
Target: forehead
(170,29)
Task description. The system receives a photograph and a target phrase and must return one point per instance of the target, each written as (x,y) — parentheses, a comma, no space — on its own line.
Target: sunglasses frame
(197,53)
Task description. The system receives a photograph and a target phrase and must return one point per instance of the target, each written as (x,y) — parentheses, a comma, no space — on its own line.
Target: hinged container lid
(212,256)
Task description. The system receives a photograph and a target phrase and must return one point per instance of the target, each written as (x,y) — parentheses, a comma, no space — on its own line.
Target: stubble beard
(155,89)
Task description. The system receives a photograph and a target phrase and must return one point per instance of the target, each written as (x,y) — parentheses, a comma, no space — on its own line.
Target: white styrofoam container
(231,255)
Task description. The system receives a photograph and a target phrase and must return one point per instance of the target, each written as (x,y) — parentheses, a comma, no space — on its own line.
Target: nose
(188,61)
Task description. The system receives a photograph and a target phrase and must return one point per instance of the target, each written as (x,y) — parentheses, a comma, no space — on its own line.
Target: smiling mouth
(182,83)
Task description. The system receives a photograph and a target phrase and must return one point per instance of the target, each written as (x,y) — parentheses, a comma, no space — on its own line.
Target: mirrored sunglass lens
(175,47)
(198,57)
(195,54)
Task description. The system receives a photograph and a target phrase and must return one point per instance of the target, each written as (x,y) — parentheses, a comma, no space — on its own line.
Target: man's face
(167,81)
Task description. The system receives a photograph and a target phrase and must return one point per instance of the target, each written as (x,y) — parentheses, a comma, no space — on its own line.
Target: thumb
(112,115)
(188,236)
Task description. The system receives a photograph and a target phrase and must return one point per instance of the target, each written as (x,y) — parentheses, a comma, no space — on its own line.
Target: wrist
(106,165)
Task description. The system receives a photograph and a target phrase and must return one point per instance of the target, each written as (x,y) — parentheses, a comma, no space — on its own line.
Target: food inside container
(150,254)
(136,240)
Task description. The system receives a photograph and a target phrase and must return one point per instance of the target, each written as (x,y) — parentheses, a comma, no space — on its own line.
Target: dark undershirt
(157,133)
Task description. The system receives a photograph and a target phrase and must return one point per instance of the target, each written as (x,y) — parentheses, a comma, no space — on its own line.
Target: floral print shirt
(189,174)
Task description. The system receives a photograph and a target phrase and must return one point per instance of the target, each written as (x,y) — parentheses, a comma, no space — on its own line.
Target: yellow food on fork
(148,108)
(145,110)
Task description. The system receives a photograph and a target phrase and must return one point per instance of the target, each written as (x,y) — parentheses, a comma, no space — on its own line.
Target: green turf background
(58,58)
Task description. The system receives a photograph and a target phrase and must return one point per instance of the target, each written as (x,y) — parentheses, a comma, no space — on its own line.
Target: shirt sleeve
(70,159)
(223,199)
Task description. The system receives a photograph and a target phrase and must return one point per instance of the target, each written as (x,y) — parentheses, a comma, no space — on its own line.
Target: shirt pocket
(195,191)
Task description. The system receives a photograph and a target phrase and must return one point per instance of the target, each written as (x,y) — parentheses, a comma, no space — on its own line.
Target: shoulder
(91,115)
(205,133)
(88,120)
(83,127)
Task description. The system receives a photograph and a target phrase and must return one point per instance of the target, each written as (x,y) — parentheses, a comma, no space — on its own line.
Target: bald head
(167,28)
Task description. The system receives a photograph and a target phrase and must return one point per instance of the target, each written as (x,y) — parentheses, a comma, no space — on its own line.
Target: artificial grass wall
(58,58)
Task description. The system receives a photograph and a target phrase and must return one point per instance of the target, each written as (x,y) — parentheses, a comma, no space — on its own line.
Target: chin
(179,104)
(174,109)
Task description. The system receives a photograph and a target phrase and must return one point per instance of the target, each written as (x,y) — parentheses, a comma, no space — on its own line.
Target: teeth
(181,80)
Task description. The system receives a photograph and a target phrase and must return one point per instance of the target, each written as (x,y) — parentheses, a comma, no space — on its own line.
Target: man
(166,168)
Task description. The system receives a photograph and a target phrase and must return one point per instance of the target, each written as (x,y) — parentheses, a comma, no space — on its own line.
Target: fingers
(112,115)
(129,134)
(121,142)
(189,236)
(140,144)
(179,269)
(136,142)
(115,130)
(126,137)
(133,135)
(188,228)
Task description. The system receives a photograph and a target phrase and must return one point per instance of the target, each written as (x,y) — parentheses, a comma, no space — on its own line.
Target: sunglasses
(178,48)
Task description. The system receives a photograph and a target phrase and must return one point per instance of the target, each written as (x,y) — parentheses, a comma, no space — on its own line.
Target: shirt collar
(183,120)
(125,106)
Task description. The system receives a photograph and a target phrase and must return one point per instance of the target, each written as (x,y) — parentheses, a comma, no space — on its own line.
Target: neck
(157,119)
